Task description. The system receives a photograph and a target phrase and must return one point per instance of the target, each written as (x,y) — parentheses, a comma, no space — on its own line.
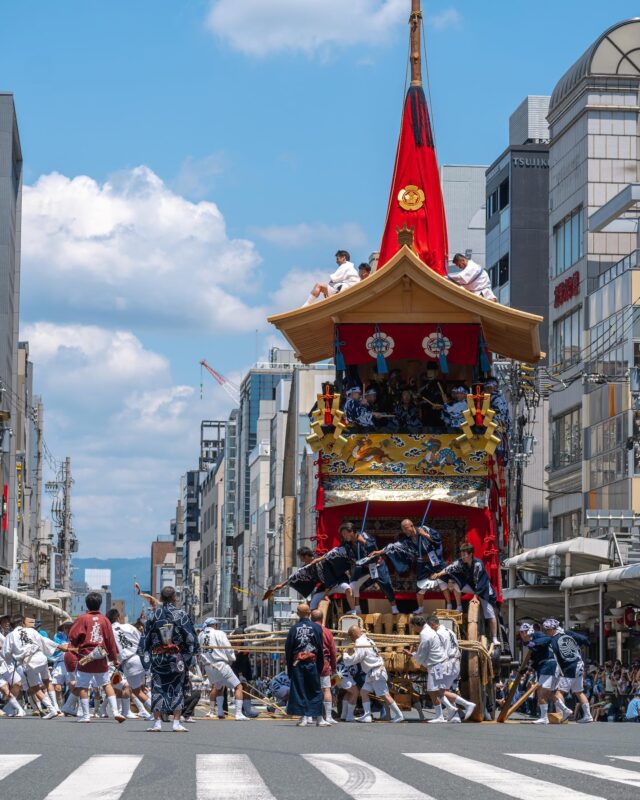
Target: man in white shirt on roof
(217,656)
(345,276)
(472,277)
(432,654)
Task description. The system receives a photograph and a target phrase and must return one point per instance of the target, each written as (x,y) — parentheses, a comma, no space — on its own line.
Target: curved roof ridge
(582,67)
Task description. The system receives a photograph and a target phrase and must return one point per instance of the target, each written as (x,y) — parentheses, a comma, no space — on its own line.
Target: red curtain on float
(416,195)
(481,529)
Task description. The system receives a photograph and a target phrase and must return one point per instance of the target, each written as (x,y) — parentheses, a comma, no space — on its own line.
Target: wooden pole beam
(415,23)
(522,700)
(504,711)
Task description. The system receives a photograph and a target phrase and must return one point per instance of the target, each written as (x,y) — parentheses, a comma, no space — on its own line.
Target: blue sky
(191,166)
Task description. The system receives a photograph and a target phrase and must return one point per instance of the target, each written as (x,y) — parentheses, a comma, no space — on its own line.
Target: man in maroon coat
(329,668)
(92,636)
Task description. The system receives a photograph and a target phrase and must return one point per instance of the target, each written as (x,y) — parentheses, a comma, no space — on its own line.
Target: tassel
(381,364)
(442,357)
(485,366)
(339,358)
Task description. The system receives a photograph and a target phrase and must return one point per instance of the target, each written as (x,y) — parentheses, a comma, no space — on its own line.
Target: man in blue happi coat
(544,663)
(470,576)
(566,649)
(359,545)
(453,412)
(305,660)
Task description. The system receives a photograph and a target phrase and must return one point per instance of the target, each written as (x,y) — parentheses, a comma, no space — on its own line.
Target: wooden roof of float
(404,291)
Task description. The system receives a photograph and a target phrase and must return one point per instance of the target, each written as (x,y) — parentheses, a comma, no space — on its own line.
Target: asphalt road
(262,760)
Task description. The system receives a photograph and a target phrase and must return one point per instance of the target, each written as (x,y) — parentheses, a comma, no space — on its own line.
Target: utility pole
(42,560)
(66,526)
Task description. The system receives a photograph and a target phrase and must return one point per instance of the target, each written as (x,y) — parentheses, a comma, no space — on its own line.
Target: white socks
(544,709)
(84,705)
(113,705)
(561,705)
(126,706)
(347,712)
(220,705)
(366,707)
(157,725)
(448,704)
(395,710)
(54,701)
(14,704)
(356,610)
(394,609)
(327,709)
(586,710)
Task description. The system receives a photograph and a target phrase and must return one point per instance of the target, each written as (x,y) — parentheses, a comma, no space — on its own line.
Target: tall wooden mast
(415,22)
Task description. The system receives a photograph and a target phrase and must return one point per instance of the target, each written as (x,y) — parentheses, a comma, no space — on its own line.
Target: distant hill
(123,571)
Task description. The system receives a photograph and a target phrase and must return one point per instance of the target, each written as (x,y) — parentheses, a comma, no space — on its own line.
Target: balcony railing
(632,261)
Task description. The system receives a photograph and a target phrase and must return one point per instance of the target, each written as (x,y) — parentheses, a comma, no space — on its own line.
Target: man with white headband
(217,656)
(566,649)
(544,663)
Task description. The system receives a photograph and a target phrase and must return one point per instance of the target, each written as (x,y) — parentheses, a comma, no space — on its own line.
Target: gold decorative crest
(411,198)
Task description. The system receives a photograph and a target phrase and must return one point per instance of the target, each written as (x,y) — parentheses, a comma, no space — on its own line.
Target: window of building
(568,237)
(567,526)
(503,194)
(567,335)
(566,439)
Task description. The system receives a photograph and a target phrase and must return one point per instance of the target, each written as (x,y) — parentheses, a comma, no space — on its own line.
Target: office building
(10,225)
(593,158)
(160,549)
(517,191)
(463,191)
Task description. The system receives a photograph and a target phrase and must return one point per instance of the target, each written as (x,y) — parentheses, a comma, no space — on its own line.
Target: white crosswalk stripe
(11,763)
(229,777)
(501,780)
(635,759)
(602,771)
(360,780)
(99,778)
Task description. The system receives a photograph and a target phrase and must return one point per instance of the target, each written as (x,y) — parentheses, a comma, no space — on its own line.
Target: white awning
(623,583)
(586,554)
(19,598)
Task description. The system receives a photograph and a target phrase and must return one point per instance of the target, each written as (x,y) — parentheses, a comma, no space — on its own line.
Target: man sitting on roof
(473,277)
(344,277)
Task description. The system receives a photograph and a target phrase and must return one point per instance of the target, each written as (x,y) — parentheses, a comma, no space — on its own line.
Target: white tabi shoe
(566,714)
(452,715)
(398,719)
(179,729)
(323,723)
(50,714)
(131,715)
(436,720)
(333,721)
(454,719)
(469,708)
(302,723)
(395,610)
(83,719)
(541,721)
(240,717)
(364,718)
(585,720)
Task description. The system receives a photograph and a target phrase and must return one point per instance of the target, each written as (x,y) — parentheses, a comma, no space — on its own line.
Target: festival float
(407,315)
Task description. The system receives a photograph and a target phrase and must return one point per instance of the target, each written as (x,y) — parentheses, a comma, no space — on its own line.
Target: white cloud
(447,18)
(130,431)
(134,250)
(196,176)
(294,288)
(304,234)
(259,28)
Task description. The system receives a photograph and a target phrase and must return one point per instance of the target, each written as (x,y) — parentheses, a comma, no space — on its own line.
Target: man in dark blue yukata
(168,647)
(305,660)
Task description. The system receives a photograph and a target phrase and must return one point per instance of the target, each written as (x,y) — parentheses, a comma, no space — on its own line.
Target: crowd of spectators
(613,691)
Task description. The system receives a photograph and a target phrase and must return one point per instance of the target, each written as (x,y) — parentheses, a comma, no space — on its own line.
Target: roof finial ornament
(405,236)
(415,22)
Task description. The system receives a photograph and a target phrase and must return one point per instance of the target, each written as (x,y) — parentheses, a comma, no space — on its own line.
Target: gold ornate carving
(411,198)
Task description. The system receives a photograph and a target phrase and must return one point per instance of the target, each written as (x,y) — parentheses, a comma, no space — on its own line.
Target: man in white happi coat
(135,677)
(432,654)
(472,277)
(217,657)
(452,650)
(364,653)
(345,276)
(26,647)
(9,679)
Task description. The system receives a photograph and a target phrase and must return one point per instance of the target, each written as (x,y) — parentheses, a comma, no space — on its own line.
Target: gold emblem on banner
(411,198)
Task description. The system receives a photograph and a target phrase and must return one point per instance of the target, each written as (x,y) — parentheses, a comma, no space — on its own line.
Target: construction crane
(229,386)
